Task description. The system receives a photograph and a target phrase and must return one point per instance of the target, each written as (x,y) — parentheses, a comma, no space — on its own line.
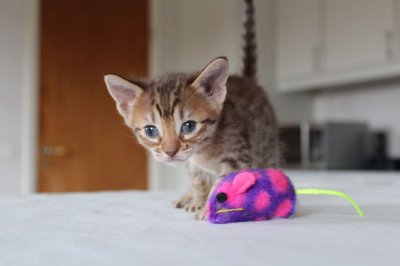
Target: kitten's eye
(188,126)
(151,131)
(222,197)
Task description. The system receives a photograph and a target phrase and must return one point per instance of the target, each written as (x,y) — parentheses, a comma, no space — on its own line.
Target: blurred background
(330,67)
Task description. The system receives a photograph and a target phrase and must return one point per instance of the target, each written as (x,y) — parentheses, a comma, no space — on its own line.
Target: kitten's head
(173,115)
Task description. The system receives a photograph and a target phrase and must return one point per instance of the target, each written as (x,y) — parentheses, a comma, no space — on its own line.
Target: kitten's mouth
(176,160)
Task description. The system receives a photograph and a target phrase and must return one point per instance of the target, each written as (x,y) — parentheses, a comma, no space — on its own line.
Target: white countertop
(142,228)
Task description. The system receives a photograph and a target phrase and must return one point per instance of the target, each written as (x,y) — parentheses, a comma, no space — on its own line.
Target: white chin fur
(174,162)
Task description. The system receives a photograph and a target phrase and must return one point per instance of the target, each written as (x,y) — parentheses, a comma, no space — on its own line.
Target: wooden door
(84,145)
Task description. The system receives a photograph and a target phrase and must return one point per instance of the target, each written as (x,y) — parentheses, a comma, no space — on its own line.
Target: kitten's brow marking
(178,89)
(176,102)
(208,121)
(159,110)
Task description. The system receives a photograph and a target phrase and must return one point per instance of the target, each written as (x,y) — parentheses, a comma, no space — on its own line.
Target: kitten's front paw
(201,214)
(183,202)
(194,206)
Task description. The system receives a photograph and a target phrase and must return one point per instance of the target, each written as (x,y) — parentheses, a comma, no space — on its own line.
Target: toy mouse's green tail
(330,192)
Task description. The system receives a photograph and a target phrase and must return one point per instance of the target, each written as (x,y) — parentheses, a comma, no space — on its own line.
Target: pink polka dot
(279,180)
(262,201)
(284,208)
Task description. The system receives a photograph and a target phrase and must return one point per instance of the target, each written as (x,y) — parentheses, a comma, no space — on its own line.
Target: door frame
(30,93)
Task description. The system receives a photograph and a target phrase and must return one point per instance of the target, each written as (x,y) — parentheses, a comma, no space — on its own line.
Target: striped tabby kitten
(215,122)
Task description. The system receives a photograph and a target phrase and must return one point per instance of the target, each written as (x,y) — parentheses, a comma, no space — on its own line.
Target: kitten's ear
(124,92)
(212,80)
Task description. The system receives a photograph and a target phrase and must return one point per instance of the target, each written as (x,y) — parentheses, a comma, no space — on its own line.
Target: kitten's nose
(171,153)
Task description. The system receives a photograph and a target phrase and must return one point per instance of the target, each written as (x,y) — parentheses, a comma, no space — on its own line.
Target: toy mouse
(255,195)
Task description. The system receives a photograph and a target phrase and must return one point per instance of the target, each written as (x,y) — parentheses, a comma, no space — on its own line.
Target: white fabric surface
(142,228)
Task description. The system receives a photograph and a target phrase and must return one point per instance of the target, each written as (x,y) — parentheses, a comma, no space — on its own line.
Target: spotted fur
(235,123)
(252,195)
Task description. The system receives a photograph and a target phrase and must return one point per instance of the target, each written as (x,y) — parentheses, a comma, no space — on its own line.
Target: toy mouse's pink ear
(243,181)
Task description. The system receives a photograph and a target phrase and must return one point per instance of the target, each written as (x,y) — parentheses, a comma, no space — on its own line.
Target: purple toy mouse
(252,195)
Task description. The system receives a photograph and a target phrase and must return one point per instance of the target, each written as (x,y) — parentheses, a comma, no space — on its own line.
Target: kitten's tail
(249,67)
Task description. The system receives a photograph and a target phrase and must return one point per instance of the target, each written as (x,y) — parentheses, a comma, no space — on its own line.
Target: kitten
(215,122)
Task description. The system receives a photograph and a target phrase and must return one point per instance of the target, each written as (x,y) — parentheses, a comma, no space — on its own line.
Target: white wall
(18,35)
(11,46)
(187,34)
(377,104)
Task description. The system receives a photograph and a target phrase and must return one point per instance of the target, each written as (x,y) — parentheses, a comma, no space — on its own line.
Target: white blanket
(142,228)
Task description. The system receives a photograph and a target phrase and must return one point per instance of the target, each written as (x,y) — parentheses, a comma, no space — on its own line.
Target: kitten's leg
(184,200)
(200,192)
(193,198)
(201,213)
(226,169)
